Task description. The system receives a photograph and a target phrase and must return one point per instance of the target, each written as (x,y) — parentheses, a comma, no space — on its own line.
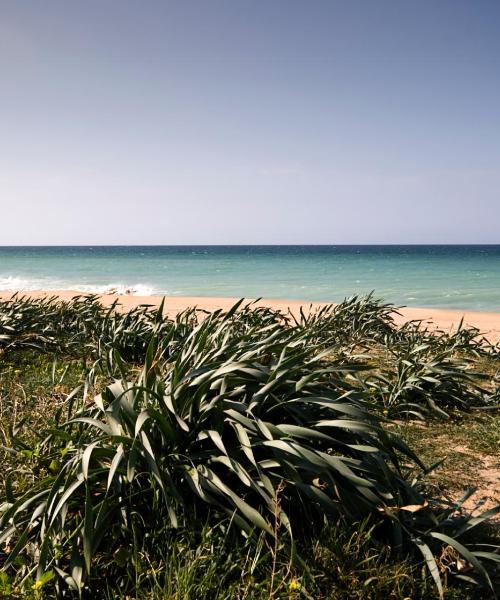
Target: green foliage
(249,422)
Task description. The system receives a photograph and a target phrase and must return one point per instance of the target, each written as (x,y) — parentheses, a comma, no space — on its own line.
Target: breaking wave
(18,284)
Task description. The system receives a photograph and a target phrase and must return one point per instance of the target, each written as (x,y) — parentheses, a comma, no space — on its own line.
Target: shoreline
(440,318)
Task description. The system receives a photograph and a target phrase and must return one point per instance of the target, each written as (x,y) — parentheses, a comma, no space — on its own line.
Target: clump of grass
(251,421)
(351,323)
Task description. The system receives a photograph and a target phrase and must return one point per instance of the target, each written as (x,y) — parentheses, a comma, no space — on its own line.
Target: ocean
(461,277)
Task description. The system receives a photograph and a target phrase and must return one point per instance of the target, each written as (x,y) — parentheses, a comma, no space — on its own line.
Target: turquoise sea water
(466,277)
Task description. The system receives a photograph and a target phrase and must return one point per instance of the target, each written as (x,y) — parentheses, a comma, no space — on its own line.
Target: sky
(249,122)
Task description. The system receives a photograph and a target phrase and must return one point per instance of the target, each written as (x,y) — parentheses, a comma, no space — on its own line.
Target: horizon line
(295,245)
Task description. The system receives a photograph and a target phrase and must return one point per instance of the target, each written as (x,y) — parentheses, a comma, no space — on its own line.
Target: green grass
(245,454)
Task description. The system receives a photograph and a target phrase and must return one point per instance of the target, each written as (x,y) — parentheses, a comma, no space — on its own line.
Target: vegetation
(240,454)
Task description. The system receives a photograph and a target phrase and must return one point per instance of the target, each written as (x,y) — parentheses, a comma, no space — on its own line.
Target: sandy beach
(487,322)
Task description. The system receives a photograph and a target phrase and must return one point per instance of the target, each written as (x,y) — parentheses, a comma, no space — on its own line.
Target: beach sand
(487,322)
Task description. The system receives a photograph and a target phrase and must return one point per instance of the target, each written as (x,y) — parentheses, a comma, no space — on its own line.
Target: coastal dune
(488,323)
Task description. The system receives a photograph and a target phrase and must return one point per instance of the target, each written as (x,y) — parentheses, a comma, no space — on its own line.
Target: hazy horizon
(236,245)
(281,123)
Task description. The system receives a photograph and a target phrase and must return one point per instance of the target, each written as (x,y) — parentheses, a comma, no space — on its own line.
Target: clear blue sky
(249,122)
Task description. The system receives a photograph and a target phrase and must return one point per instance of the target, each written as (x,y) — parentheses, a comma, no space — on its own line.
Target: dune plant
(428,380)
(48,324)
(353,321)
(248,420)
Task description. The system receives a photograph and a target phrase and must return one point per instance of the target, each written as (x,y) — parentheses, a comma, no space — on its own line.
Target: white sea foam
(138,289)
(11,283)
